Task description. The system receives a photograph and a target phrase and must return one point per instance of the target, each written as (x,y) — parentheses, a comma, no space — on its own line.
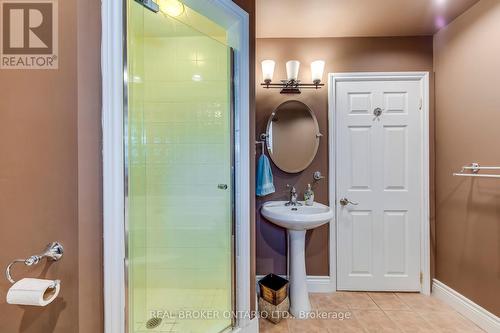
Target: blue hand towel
(265,184)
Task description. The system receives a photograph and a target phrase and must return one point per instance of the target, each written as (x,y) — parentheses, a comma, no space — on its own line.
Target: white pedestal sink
(297,220)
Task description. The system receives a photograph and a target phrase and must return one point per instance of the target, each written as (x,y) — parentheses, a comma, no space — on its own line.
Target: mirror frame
(318,136)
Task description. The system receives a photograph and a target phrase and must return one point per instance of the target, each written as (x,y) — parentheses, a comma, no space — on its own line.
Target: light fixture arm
(292,86)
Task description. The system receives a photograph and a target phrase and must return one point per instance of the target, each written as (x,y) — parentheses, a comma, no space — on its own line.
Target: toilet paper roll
(37,292)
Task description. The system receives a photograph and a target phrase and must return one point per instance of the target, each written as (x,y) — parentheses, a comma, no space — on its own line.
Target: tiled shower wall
(179,223)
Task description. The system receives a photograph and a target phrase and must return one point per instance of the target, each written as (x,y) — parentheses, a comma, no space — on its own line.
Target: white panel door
(379,172)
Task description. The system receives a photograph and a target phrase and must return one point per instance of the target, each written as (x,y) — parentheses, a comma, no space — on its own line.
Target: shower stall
(184,114)
(180,221)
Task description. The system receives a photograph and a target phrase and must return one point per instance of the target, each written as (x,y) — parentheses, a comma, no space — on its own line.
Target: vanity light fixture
(292,84)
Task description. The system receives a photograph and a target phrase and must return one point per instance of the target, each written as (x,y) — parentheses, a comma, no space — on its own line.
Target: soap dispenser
(309,196)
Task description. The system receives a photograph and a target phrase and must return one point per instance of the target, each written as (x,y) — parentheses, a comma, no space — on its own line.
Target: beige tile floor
(376,312)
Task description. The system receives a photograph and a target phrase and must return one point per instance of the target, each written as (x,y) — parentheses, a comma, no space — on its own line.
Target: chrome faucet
(293,197)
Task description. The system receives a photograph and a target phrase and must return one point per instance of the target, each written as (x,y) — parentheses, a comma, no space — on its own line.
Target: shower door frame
(114,99)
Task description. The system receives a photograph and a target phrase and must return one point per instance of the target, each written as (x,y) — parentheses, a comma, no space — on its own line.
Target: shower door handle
(222,186)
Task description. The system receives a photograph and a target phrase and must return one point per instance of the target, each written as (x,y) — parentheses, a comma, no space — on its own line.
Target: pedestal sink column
(299,297)
(297,219)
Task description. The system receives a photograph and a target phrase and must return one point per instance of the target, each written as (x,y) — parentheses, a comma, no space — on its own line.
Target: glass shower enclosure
(179,171)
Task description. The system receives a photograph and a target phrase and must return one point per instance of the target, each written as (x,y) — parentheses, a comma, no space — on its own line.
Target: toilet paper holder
(53,251)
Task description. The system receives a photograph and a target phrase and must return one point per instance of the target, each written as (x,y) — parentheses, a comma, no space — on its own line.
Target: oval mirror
(292,136)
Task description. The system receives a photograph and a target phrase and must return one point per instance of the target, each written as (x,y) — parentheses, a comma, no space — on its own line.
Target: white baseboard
(315,284)
(480,316)
(320,284)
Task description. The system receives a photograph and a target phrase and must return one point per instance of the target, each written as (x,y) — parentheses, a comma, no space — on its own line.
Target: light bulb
(172,8)
(268,70)
(292,70)
(317,69)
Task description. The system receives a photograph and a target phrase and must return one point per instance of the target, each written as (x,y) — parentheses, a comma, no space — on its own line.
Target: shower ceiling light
(172,8)
(292,84)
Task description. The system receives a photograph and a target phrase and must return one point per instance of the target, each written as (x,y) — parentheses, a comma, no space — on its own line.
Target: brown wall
(50,176)
(341,55)
(90,253)
(467,65)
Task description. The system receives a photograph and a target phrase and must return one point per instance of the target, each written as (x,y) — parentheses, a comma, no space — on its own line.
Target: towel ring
(262,142)
(53,251)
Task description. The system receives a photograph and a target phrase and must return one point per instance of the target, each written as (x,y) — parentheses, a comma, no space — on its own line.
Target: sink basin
(297,217)
(297,220)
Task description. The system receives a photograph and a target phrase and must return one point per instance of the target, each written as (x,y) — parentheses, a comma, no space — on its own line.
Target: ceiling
(355,18)
(187,24)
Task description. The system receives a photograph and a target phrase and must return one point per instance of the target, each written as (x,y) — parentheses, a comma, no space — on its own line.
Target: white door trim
(423,78)
(113,157)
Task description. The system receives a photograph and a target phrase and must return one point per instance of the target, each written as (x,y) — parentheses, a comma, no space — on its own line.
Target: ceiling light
(172,8)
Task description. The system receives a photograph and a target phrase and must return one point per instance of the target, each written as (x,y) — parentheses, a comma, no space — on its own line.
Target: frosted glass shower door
(179,173)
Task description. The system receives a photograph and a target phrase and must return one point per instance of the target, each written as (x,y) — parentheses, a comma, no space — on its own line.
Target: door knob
(345,202)
(222,186)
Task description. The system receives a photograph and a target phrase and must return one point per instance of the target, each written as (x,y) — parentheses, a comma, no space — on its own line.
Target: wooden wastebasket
(273,313)
(273,289)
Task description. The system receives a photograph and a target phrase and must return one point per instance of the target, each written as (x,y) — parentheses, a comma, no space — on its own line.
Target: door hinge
(421,278)
(421,105)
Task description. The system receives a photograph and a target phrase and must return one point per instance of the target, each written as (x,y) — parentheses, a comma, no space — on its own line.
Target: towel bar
(475,175)
(53,251)
(475,168)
